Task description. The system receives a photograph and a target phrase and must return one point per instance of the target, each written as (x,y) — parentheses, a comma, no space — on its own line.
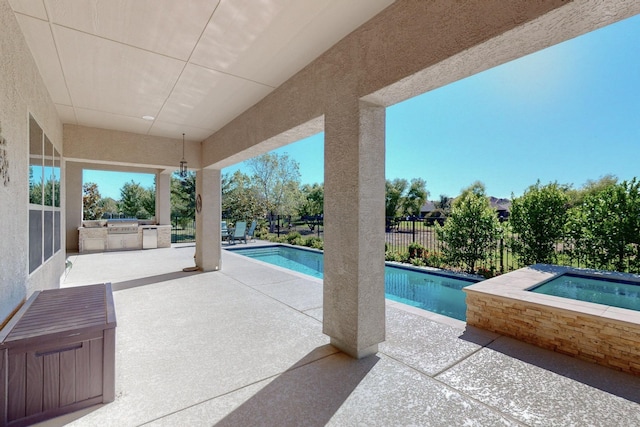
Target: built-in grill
(122,226)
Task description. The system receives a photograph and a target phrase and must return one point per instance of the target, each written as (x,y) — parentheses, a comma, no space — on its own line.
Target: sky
(568,114)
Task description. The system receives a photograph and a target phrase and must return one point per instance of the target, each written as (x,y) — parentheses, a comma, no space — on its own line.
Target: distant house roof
(500,204)
(503,205)
(428,206)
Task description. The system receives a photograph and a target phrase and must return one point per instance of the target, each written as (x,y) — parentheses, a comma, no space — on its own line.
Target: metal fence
(399,236)
(281,225)
(183,230)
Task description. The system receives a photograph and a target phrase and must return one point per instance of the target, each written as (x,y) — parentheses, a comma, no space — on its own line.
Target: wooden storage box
(57,354)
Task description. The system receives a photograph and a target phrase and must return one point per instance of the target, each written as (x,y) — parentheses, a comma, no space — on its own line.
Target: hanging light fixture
(183,162)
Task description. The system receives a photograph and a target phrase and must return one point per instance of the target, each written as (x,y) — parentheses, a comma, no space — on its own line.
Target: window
(44,197)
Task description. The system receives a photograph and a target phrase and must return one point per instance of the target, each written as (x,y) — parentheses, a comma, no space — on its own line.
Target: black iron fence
(281,225)
(183,230)
(401,238)
(403,234)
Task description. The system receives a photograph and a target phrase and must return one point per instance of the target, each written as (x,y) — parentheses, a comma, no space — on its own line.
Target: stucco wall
(111,147)
(22,92)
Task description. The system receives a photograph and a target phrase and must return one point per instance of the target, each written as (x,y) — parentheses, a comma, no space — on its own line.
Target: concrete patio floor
(244,347)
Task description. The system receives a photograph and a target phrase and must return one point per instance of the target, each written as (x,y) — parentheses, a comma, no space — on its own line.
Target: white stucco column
(354,151)
(163,198)
(72,203)
(208,235)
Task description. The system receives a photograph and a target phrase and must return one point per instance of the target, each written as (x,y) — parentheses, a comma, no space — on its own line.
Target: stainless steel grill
(122,226)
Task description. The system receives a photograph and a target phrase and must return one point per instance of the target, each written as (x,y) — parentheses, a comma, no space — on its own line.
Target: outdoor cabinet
(57,354)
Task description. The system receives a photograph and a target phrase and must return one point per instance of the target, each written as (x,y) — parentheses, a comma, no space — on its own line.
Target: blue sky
(569,113)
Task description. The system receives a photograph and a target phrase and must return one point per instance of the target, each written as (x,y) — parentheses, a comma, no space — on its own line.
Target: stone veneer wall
(607,342)
(164,236)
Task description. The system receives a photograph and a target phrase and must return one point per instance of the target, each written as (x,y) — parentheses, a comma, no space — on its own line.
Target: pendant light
(183,162)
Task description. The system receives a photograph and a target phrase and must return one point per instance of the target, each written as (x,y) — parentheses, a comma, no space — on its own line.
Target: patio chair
(239,232)
(224,231)
(252,230)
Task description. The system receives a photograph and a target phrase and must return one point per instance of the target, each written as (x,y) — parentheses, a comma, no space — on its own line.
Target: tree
(313,200)
(404,198)
(51,191)
(416,197)
(605,228)
(312,207)
(183,198)
(277,180)
(445,204)
(470,232)
(538,219)
(239,198)
(576,197)
(35,189)
(133,200)
(394,190)
(108,205)
(149,201)
(90,201)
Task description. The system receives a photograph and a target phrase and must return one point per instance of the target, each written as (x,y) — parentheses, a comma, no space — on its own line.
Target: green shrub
(292,237)
(434,259)
(275,239)
(487,273)
(262,232)
(471,231)
(298,241)
(416,250)
(395,256)
(314,242)
(418,262)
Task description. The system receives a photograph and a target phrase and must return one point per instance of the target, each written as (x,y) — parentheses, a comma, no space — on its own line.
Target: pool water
(434,292)
(612,292)
(300,260)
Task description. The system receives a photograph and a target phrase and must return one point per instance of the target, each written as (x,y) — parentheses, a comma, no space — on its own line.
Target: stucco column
(72,203)
(208,235)
(354,304)
(163,198)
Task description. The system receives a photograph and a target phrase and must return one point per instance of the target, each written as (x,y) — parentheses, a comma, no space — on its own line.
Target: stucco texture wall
(22,92)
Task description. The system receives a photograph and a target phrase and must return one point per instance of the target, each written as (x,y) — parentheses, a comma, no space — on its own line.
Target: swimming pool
(600,290)
(435,292)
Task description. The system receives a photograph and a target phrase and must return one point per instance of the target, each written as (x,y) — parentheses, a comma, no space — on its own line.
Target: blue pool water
(616,293)
(437,293)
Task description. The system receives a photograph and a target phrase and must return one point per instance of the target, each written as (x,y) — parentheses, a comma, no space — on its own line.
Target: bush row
(295,238)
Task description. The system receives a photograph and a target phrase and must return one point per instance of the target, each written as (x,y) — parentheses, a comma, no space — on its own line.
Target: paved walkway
(244,347)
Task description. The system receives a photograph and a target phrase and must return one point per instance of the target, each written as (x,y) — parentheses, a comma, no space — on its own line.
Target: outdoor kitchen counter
(98,239)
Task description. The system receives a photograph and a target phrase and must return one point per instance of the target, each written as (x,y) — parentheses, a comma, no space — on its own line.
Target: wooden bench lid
(56,311)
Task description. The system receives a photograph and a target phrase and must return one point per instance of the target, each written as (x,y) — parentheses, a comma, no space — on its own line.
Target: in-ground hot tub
(601,289)
(592,331)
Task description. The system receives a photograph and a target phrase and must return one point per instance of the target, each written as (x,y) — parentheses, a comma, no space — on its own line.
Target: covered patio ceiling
(192,66)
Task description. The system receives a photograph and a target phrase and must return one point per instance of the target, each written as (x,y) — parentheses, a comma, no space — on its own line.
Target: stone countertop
(139,227)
